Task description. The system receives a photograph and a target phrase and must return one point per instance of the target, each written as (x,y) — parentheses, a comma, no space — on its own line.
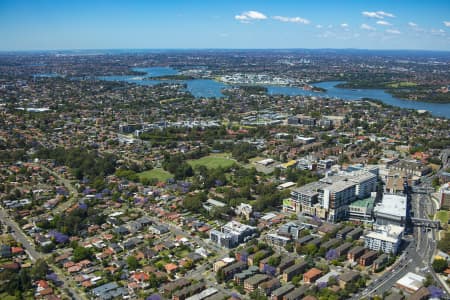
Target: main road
(19,236)
(73,193)
(396,271)
(418,254)
(28,246)
(425,207)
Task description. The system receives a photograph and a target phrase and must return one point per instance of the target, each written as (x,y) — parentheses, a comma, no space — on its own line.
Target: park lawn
(402,84)
(6,296)
(6,238)
(182,253)
(442,216)
(213,161)
(255,159)
(156,173)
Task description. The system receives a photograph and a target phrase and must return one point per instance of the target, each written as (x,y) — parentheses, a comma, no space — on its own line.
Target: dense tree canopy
(84,163)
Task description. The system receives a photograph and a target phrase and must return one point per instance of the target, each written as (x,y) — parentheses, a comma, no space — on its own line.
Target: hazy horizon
(27,25)
(125,50)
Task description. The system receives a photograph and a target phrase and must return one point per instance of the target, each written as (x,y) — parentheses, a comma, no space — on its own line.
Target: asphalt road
(416,257)
(69,186)
(428,238)
(221,252)
(18,234)
(396,271)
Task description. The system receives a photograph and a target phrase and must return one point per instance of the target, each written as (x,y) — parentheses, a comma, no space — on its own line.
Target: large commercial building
(387,238)
(335,199)
(329,198)
(410,283)
(291,229)
(232,234)
(304,197)
(392,210)
(366,183)
(361,210)
(411,167)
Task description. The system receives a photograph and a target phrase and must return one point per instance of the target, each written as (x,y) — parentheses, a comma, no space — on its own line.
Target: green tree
(444,243)
(297,279)
(274,261)
(310,249)
(439,265)
(220,276)
(194,202)
(428,280)
(80,253)
(39,269)
(257,258)
(289,247)
(435,182)
(332,281)
(132,262)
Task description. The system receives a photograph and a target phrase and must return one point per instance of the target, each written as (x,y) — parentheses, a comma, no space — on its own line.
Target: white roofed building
(391,211)
(410,283)
(387,238)
(232,234)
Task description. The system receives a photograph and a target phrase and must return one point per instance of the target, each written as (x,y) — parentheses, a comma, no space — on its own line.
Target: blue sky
(108,24)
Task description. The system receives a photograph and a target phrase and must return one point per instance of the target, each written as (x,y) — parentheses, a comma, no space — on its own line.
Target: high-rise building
(232,234)
(387,238)
(330,197)
(391,211)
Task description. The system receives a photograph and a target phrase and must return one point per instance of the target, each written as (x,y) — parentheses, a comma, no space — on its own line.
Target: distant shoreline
(93,51)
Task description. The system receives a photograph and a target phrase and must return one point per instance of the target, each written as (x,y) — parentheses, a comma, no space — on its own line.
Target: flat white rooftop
(268,216)
(279,237)
(286,185)
(216,203)
(411,281)
(388,233)
(265,162)
(236,227)
(228,260)
(394,205)
(339,186)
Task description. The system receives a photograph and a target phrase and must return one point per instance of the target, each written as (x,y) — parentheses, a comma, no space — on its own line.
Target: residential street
(34,255)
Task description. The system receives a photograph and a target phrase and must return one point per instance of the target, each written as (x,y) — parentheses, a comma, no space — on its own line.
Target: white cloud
(438,32)
(371,14)
(250,15)
(377,14)
(385,14)
(383,23)
(319,26)
(412,24)
(344,25)
(367,27)
(393,31)
(446,23)
(291,19)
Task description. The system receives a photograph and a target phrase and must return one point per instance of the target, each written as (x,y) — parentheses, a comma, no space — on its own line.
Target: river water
(209,88)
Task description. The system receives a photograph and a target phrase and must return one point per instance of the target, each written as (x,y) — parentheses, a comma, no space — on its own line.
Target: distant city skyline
(234,24)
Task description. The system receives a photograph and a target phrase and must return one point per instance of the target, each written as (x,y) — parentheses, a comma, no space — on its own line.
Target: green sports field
(157,173)
(213,161)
